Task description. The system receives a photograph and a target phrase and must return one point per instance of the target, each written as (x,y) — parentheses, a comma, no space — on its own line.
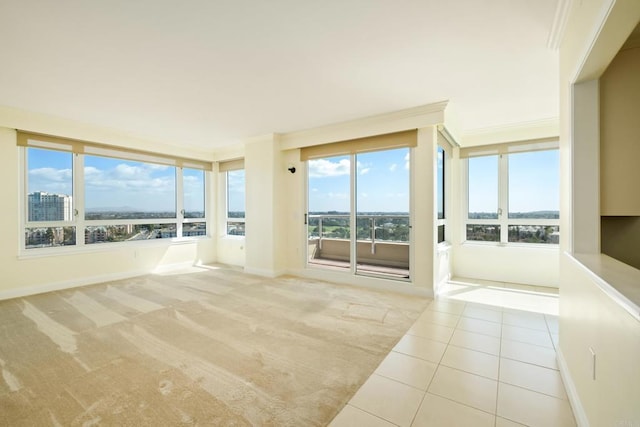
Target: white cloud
(363,168)
(91,172)
(133,184)
(51,174)
(393,167)
(50,180)
(192,181)
(407,157)
(322,168)
(130,172)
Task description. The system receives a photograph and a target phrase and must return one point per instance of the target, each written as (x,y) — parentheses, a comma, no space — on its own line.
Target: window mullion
(78,198)
(179,201)
(353,217)
(207,204)
(503,196)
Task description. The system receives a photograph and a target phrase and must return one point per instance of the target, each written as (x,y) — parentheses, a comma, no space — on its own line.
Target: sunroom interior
(544,201)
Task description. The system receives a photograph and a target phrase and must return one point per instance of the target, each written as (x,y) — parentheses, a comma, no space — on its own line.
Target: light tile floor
(481,354)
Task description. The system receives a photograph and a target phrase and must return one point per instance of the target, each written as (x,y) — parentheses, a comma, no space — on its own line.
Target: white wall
(265,210)
(28,274)
(592,321)
(589,318)
(229,249)
(294,205)
(536,265)
(423,220)
(511,263)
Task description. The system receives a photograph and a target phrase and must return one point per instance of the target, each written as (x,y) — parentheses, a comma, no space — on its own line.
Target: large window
(483,224)
(50,209)
(514,198)
(193,211)
(235,202)
(358,213)
(75,199)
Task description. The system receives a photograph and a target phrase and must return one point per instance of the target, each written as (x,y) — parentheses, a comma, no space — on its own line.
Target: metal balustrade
(382,242)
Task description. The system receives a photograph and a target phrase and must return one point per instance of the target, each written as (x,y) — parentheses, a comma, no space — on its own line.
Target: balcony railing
(382,242)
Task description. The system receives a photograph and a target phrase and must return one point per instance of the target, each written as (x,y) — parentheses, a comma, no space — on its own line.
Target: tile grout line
(460,403)
(549,334)
(456,327)
(437,367)
(365,411)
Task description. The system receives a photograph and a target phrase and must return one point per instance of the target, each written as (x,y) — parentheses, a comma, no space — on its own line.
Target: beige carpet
(208,346)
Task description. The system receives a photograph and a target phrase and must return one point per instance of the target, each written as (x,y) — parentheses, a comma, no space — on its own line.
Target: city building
(267,89)
(50,207)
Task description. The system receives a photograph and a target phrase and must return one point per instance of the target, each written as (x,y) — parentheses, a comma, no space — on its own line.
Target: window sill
(553,246)
(106,247)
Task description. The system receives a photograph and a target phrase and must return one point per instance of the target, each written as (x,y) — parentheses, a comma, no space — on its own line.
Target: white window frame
(448,155)
(503,219)
(180,203)
(228,219)
(80,223)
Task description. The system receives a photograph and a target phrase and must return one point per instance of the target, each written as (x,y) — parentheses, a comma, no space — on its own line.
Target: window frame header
(37,140)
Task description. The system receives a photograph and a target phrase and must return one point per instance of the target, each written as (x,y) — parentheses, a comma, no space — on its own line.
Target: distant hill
(515,215)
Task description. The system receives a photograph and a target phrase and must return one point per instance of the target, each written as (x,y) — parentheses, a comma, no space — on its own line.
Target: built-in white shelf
(617,279)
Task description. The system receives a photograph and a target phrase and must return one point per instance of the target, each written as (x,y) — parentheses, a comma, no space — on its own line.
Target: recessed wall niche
(620,154)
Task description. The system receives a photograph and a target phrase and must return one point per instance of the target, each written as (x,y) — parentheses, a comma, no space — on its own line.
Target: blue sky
(483,184)
(382,182)
(533,182)
(115,183)
(236,191)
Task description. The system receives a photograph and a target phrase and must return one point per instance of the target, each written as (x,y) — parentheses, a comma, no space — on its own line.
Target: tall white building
(50,207)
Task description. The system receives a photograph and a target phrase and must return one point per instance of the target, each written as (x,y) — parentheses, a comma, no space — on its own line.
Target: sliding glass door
(358,213)
(382,213)
(329,212)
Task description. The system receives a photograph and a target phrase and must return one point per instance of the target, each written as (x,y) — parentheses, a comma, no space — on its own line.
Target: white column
(423,200)
(265,198)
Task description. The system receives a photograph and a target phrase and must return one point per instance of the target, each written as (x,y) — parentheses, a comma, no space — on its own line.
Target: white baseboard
(578,410)
(67,284)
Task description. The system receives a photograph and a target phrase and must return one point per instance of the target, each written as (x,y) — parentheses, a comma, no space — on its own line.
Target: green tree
(49,235)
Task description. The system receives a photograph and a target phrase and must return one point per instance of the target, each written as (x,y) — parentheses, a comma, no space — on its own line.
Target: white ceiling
(211,72)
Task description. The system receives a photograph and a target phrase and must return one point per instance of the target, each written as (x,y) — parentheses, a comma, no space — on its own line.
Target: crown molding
(560,19)
(410,118)
(15,118)
(538,129)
